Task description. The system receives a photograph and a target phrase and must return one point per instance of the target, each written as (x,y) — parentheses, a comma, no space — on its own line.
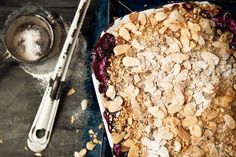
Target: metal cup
(23,22)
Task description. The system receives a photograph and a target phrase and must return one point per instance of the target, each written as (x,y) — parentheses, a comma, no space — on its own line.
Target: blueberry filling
(108,117)
(117,151)
(225,22)
(100,55)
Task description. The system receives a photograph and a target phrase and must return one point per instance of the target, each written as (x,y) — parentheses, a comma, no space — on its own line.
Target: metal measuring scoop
(15,46)
(41,129)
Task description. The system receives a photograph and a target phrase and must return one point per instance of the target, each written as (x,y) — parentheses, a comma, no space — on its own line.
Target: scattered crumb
(84,104)
(100,126)
(91,132)
(71,92)
(26,148)
(38,154)
(72,119)
(1,141)
(145,5)
(81,153)
(90,145)
(95,141)
(77,131)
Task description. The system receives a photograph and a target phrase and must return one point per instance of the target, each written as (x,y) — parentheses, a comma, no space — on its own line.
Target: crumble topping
(171,84)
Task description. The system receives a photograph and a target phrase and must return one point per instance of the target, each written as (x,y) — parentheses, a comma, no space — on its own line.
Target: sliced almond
(189,108)
(128,143)
(90,145)
(111,93)
(195,35)
(130,26)
(121,49)
(130,121)
(210,57)
(115,105)
(177,146)
(176,69)
(160,114)
(172,109)
(134,151)
(199,97)
(205,25)
(189,121)
(192,44)
(229,121)
(185,41)
(38,154)
(153,21)
(213,150)
(71,92)
(130,61)
(175,15)
(201,40)
(116,137)
(184,135)
(96,141)
(174,45)
(175,121)
(172,24)
(84,104)
(163,152)
(142,18)
(225,101)
(124,33)
(196,130)
(81,153)
(153,110)
(177,101)
(160,16)
(137,45)
(133,17)
(72,119)
(185,32)
(187,65)
(183,75)
(210,114)
(162,30)
(193,26)
(219,44)
(179,57)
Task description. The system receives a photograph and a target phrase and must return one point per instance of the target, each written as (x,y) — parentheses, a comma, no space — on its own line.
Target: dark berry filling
(225,22)
(100,55)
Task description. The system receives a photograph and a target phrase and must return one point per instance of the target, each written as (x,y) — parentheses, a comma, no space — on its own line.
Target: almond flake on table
(71,92)
(84,104)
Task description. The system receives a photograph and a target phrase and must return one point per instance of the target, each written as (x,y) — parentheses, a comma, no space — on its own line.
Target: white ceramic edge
(100,97)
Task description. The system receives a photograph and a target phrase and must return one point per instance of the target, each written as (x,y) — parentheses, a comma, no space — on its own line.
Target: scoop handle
(4,57)
(41,129)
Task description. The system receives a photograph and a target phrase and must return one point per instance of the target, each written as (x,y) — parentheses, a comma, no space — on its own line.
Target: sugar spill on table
(43,70)
(43,79)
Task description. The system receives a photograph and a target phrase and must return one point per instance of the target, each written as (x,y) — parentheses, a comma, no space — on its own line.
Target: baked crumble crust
(172,85)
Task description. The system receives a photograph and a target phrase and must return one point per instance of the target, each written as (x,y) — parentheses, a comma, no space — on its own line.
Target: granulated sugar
(43,79)
(26,43)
